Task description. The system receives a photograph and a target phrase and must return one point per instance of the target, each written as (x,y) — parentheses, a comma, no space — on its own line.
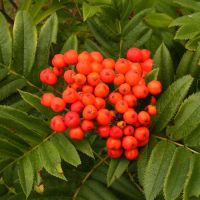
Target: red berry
(151,109)
(46,99)
(57,104)
(103,131)
(89,112)
(113,143)
(130,117)
(129,142)
(99,103)
(58,71)
(70,95)
(140,91)
(103,117)
(48,77)
(147,65)
(87,125)
(146,54)
(97,56)
(76,133)
(134,55)
(144,118)
(58,61)
(129,130)
(155,87)
(116,132)
(77,106)
(132,78)
(71,57)
(84,68)
(69,76)
(131,100)
(115,153)
(107,75)
(57,124)
(131,154)
(141,133)
(72,119)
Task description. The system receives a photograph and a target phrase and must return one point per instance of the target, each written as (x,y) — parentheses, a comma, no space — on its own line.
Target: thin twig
(13,4)
(88,175)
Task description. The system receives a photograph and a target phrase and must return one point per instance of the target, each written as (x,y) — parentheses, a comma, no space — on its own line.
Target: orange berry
(116,132)
(46,99)
(103,131)
(97,56)
(141,133)
(87,89)
(84,68)
(85,57)
(140,91)
(57,124)
(58,71)
(134,55)
(155,87)
(147,65)
(107,75)
(72,119)
(129,130)
(151,110)
(96,67)
(131,154)
(144,118)
(143,143)
(103,117)
(80,79)
(131,100)
(69,76)
(113,143)
(153,100)
(136,67)
(146,54)
(89,112)
(93,78)
(48,77)
(99,103)
(121,124)
(76,133)
(87,125)
(70,95)
(101,90)
(88,99)
(129,142)
(124,88)
(130,116)
(121,106)
(71,57)
(108,63)
(114,97)
(57,104)
(122,66)
(115,153)
(77,106)
(132,78)
(58,61)
(119,79)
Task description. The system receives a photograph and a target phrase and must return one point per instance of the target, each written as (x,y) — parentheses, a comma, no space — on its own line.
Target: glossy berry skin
(58,61)
(108,63)
(69,76)
(140,91)
(129,142)
(71,57)
(57,104)
(155,87)
(114,97)
(121,106)
(103,117)
(124,88)
(89,112)
(131,100)
(85,57)
(134,55)
(72,119)
(113,143)
(116,132)
(87,125)
(146,54)
(48,77)
(76,133)
(147,65)
(84,68)
(93,79)
(107,75)
(57,124)
(46,99)
(77,106)
(141,133)
(132,78)
(96,56)
(130,117)
(70,95)
(151,109)
(101,90)
(103,131)
(131,154)
(122,66)
(144,118)
(99,103)
(115,153)
(129,130)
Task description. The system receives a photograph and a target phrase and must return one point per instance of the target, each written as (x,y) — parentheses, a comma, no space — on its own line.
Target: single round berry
(101,90)
(131,100)
(70,95)
(89,112)
(131,154)
(124,88)
(57,124)
(121,106)
(132,78)
(96,56)
(84,68)
(99,103)
(119,79)
(151,109)
(58,104)
(155,87)
(115,153)
(108,63)
(87,125)
(129,130)
(122,66)
(144,118)
(72,119)
(103,117)
(107,75)
(129,142)
(134,55)
(116,132)
(46,99)
(113,143)
(93,79)
(141,133)
(58,61)
(114,97)
(69,76)
(103,131)
(130,116)
(71,57)
(77,106)
(76,133)
(140,91)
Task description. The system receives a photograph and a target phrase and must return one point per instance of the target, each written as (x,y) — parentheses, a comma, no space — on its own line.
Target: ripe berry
(144,118)
(154,87)
(101,90)
(99,103)
(153,100)
(88,99)
(107,75)
(90,112)
(77,106)
(134,55)
(103,117)
(87,89)
(71,57)
(46,99)
(140,91)
(80,79)
(129,142)
(146,54)
(136,68)
(113,143)
(70,95)
(87,125)
(122,66)
(141,133)
(143,143)
(57,104)
(103,131)
(85,57)
(76,133)
(93,78)
(58,71)
(121,106)
(58,61)
(124,88)
(129,130)
(119,79)
(108,63)
(114,97)
(57,124)
(84,68)
(116,132)
(96,67)
(147,65)
(97,56)
(48,77)
(131,100)
(131,154)
(151,110)
(132,78)
(115,153)
(130,117)
(72,119)
(69,76)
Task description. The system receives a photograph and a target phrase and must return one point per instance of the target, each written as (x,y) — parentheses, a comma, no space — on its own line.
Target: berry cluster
(104,96)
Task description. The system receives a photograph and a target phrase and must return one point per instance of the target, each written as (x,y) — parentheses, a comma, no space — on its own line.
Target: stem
(88,175)
(77,7)
(14,4)
(177,144)
(134,182)
(121,41)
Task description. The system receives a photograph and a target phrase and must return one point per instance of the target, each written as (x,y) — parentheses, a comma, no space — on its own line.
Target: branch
(13,4)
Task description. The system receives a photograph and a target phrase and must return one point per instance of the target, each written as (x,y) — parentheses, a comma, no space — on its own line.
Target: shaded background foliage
(38,164)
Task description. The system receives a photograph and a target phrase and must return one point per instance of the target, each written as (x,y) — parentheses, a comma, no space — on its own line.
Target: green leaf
(187,119)
(5,42)
(84,147)
(193,140)
(143,160)
(47,36)
(3,73)
(51,159)
(152,75)
(177,174)
(157,169)
(24,43)
(11,88)
(36,7)
(71,43)
(89,11)
(192,186)
(34,101)
(194,5)
(163,61)
(116,169)
(189,64)
(66,150)
(158,20)
(25,4)
(26,175)
(170,101)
